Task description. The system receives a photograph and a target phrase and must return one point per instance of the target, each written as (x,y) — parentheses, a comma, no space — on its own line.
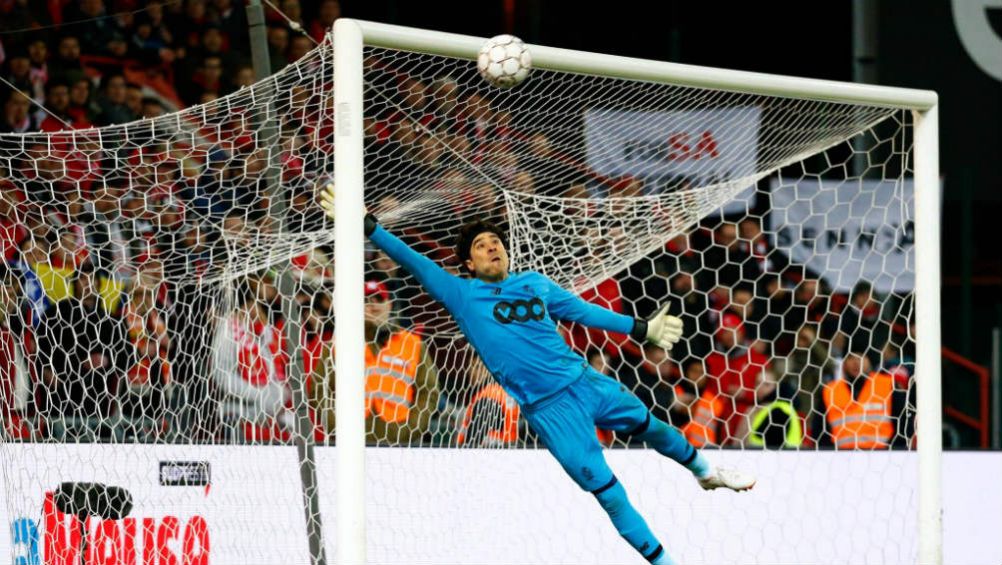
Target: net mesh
(143,312)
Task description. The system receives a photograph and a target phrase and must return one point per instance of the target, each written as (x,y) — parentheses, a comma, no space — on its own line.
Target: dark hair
(469,231)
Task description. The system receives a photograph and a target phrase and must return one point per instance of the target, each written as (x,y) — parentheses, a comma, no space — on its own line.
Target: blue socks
(629,523)
(667,441)
(664,559)
(699,466)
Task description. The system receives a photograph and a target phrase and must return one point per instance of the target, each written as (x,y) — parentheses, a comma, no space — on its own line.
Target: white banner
(228,505)
(701,147)
(848,231)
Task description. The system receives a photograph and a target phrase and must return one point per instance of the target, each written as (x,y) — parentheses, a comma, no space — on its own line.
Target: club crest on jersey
(519,311)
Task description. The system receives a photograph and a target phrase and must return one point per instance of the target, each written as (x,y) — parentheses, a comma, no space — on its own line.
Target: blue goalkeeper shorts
(566,422)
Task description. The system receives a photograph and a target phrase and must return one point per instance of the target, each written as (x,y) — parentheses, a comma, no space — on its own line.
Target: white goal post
(350,39)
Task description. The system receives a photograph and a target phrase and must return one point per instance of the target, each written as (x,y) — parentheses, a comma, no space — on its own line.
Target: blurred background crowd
(107,335)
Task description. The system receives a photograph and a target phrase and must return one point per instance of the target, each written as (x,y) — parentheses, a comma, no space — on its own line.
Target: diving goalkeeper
(510,319)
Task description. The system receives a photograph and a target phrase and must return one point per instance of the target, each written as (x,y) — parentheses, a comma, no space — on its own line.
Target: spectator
(681,254)
(667,395)
(327,13)
(66,67)
(278,44)
(97,32)
(207,78)
(810,304)
(17,116)
(401,385)
(147,380)
(861,409)
(705,407)
(443,97)
(755,244)
(741,375)
(57,102)
(81,352)
(38,53)
(151,40)
(18,74)
(134,98)
(299,45)
(293,11)
(20,15)
(249,366)
(231,18)
(195,20)
(695,343)
(152,108)
(15,380)
(860,328)
(801,371)
(113,101)
(774,301)
(242,77)
(551,171)
(214,44)
(32,252)
(490,420)
(12,228)
(82,109)
(726,261)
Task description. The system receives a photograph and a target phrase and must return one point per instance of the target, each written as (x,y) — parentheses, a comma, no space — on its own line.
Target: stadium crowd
(107,335)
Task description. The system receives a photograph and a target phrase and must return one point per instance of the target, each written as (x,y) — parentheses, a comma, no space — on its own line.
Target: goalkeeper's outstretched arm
(441,285)
(663,329)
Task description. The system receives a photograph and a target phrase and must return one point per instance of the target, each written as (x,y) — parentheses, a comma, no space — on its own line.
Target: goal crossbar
(566,60)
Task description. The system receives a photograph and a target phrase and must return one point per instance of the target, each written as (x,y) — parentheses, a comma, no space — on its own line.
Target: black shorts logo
(519,311)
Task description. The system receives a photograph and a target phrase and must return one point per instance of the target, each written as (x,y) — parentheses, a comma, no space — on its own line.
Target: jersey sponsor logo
(519,311)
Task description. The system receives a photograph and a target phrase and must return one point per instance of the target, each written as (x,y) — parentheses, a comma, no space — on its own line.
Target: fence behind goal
(171,315)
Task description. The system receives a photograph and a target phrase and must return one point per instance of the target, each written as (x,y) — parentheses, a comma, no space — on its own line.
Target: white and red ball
(504,61)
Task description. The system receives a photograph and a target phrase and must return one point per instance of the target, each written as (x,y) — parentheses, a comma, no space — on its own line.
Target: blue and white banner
(848,231)
(672,149)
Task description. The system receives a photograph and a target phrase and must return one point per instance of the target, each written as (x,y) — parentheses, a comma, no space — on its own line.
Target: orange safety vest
(701,429)
(390,375)
(509,431)
(864,422)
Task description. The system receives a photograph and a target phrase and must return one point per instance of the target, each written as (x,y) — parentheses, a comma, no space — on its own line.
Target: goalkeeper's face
(488,257)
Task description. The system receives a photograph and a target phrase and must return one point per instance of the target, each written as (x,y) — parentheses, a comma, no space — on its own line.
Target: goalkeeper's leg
(624,413)
(566,426)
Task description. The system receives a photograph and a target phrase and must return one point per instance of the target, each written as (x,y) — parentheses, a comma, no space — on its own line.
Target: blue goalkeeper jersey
(512,323)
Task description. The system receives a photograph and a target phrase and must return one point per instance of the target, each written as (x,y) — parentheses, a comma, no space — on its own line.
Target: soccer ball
(504,61)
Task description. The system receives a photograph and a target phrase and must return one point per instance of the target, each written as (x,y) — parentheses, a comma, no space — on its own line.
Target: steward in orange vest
(701,429)
(401,384)
(491,419)
(861,409)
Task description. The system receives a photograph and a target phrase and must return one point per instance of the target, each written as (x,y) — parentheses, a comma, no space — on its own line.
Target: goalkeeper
(510,319)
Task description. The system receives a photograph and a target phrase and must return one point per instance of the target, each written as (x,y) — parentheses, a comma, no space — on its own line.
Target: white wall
(450,506)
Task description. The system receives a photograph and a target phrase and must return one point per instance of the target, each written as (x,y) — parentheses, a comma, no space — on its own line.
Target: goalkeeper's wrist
(369,224)
(639,331)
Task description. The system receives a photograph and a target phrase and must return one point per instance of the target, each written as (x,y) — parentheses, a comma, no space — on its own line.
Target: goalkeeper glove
(327,199)
(663,330)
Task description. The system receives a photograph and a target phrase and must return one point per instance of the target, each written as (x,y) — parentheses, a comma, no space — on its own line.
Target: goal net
(169,320)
